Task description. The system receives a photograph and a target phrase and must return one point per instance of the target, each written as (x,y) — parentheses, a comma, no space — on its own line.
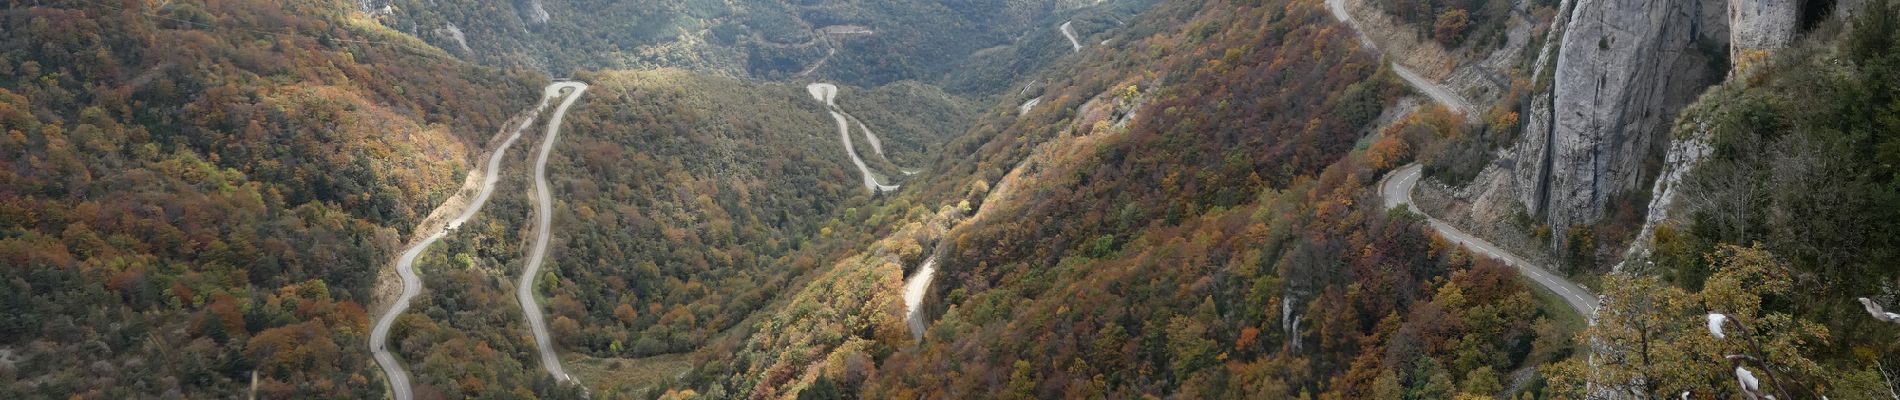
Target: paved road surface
(877,145)
(1396,190)
(544,217)
(1438,93)
(914,290)
(828,93)
(1028,105)
(405,266)
(1068,30)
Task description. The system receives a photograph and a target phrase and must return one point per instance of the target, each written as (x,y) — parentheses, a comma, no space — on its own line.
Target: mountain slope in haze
(193,193)
(864,43)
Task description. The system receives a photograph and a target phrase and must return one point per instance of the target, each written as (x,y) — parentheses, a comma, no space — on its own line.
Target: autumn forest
(911,199)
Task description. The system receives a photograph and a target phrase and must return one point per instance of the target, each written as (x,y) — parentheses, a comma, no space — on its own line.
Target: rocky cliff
(1622,70)
(1760,26)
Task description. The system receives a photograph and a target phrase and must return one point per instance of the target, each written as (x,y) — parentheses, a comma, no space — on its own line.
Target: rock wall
(1623,70)
(1757,27)
(1684,155)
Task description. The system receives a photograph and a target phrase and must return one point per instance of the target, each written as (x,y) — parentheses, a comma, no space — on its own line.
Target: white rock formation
(1290,324)
(455,33)
(375,8)
(1684,155)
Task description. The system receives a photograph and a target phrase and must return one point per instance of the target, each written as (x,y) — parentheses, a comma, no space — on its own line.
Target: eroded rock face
(1624,69)
(1684,155)
(535,12)
(1757,27)
(455,33)
(374,8)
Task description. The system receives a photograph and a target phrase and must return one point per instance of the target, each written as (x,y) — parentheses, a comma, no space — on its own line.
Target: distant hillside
(863,43)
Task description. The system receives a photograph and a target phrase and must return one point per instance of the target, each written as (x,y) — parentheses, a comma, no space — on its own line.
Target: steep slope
(681,204)
(1800,164)
(1140,233)
(911,120)
(569,92)
(1771,231)
(451,215)
(199,196)
(1619,72)
(1395,189)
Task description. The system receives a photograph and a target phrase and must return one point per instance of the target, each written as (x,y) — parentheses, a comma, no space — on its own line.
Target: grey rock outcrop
(455,33)
(535,12)
(1757,27)
(1623,70)
(375,8)
(1684,155)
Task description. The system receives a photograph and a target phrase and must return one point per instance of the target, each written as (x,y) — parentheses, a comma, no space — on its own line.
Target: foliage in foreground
(196,193)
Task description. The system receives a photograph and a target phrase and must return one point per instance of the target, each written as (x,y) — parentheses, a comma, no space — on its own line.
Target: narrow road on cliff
(1437,92)
(1396,191)
(544,218)
(398,378)
(1396,188)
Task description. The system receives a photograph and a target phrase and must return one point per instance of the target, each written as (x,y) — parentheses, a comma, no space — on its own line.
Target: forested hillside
(192,193)
(1176,255)
(1182,200)
(697,198)
(1155,226)
(685,204)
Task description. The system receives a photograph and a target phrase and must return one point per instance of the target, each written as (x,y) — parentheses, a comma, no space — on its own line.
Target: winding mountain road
(1396,187)
(1028,105)
(1396,191)
(877,146)
(828,94)
(379,336)
(914,290)
(1068,31)
(1437,92)
(398,378)
(544,218)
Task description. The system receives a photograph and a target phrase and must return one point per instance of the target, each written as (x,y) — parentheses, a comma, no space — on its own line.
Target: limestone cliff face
(1757,27)
(1622,71)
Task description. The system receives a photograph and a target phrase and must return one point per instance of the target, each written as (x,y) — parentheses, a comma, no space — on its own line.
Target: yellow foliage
(1388,152)
(680,394)
(1504,121)
(1746,59)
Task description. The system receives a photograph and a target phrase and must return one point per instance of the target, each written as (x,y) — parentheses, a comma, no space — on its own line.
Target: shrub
(1450,28)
